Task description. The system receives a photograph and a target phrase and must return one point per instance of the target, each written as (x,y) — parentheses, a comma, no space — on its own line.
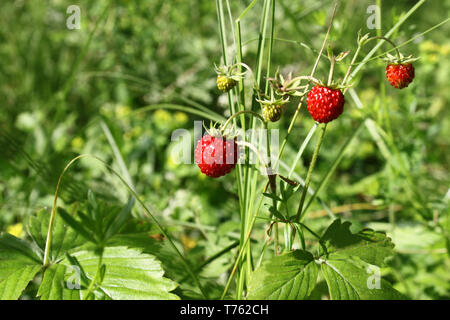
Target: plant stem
(269,56)
(254,114)
(387,35)
(308,175)
(330,75)
(94,279)
(236,263)
(313,71)
(335,163)
(388,40)
(302,148)
(352,63)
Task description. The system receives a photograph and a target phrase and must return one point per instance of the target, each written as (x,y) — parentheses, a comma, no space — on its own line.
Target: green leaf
(276,213)
(63,239)
(371,246)
(272,196)
(141,240)
(12,287)
(54,285)
(129,274)
(120,219)
(18,266)
(353,279)
(76,225)
(291,276)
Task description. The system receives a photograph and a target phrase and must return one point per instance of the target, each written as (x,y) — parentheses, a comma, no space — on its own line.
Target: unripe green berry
(225,83)
(273,112)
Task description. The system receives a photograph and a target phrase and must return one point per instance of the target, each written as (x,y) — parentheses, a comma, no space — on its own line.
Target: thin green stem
(417,36)
(308,175)
(352,63)
(247,237)
(387,35)
(330,74)
(94,279)
(254,114)
(269,56)
(397,52)
(302,148)
(247,9)
(212,258)
(334,165)
(223,38)
(313,71)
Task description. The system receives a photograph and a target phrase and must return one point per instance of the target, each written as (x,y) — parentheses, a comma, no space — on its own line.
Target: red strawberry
(325,104)
(215,156)
(400,75)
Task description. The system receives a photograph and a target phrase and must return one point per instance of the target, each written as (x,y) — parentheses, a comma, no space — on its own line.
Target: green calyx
(401,59)
(334,85)
(228,76)
(230,72)
(286,86)
(273,109)
(216,130)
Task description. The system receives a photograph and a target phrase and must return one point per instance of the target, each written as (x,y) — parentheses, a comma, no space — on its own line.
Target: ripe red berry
(215,156)
(400,75)
(325,104)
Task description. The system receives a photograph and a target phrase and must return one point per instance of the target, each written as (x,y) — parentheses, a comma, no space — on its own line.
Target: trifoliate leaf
(129,274)
(18,266)
(290,276)
(350,278)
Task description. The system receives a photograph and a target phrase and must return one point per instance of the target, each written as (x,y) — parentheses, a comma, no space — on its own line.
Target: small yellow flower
(445,49)
(180,117)
(122,111)
(162,116)
(188,242)
(77,143)
(428,46)
(433,58)
(16,230)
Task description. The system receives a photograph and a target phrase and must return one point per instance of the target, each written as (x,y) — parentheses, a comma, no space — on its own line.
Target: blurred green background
(56,86)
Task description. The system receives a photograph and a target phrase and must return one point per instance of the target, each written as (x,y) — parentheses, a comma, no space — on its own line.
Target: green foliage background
(53,98)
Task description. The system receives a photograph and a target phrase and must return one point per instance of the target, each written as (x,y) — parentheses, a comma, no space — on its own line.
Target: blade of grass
(212,117)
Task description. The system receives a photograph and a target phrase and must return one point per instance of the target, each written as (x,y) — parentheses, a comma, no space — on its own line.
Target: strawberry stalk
(397,52)
(308,175)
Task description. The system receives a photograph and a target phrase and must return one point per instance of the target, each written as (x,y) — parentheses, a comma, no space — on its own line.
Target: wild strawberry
(227,77)
(225,83)
(215,155)
(325,104)
(273,112)
(400,75)
(399,71)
